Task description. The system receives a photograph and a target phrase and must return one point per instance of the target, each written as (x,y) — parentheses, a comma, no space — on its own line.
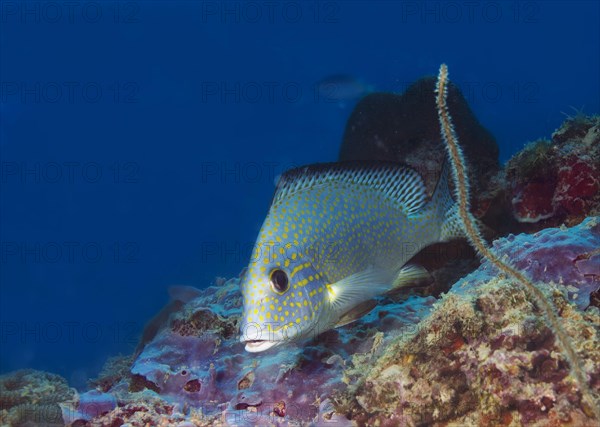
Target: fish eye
(279,281)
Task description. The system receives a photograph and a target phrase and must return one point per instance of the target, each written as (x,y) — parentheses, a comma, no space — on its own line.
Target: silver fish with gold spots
(337,236)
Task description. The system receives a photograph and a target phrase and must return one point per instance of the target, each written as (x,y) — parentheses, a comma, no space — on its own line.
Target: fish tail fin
(447,209)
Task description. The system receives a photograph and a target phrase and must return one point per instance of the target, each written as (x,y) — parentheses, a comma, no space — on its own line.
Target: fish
(336,237)
(341,88)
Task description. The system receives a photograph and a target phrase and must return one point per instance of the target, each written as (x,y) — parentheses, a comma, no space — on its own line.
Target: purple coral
(208,364)
(566,256)
(92,404)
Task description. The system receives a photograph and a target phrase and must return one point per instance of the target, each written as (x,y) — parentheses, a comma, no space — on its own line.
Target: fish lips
(258,338)
(254,344)
(258,346)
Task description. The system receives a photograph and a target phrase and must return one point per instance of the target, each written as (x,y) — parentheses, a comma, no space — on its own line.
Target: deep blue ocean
(140,141)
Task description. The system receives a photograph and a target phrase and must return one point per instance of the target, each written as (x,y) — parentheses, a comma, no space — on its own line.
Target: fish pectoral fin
(356,313)
(357,288)
(409,275)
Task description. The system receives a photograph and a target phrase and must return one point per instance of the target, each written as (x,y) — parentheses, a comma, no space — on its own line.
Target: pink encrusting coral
(558,180)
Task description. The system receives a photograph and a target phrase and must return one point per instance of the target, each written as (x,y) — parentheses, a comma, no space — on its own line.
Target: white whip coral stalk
(459,174)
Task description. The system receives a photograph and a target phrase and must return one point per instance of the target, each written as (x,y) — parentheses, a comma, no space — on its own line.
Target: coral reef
(481,355)
(473,234)
(482,358)
(570,257)
(196,370)
(30,397)
(138,409)
(89,405)
(114,370)
(551,182)
(199,359)
(485,356)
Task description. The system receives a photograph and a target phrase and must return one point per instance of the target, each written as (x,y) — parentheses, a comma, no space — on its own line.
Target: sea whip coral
(459,175)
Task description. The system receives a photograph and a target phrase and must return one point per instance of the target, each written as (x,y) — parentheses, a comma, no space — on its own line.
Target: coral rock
(30,397)
(485,356)
(550,182)
(405,128)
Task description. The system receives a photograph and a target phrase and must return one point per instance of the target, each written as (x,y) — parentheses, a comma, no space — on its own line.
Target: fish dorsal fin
(399,183)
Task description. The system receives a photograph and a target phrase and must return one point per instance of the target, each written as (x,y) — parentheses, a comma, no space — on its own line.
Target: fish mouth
(256,346)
